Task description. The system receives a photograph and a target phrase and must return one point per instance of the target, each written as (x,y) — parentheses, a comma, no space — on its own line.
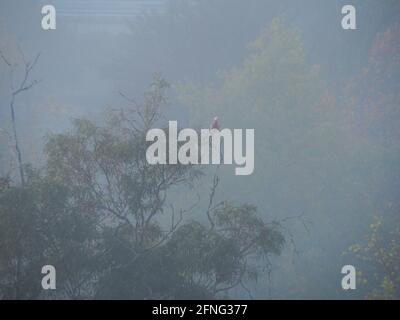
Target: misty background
(324,103)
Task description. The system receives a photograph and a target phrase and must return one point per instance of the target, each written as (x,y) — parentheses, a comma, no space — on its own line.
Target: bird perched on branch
(214,124)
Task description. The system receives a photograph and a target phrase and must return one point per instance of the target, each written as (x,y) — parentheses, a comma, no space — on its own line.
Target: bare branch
(4,59)
(128,98)
(211,199)
(23,87)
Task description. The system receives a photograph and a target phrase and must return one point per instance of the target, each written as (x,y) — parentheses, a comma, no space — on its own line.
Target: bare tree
(24,85)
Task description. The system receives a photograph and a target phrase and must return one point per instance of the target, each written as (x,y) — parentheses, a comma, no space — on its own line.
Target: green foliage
(278,94)
(307,160)
(39,226)
(98,212)
(380,255)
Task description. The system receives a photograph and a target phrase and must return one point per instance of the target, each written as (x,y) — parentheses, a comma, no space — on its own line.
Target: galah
(214,124)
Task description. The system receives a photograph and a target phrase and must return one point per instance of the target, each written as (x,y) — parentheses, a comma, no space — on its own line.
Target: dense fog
(77,193)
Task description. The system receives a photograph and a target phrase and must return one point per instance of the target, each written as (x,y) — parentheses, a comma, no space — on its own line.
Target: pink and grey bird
(214,124)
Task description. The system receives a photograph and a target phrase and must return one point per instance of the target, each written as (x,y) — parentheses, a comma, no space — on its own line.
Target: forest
(78,193)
